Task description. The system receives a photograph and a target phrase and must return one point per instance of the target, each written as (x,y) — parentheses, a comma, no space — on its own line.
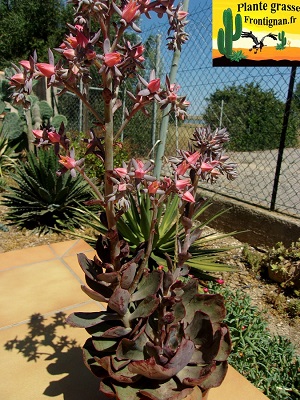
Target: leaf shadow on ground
(64,355)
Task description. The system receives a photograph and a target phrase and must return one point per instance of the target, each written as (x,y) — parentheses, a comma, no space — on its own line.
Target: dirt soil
(243,279)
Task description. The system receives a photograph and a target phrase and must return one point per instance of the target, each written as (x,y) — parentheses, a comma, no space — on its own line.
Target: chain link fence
(200,81)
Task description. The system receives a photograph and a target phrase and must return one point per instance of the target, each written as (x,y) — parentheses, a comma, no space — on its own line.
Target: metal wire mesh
(198,79)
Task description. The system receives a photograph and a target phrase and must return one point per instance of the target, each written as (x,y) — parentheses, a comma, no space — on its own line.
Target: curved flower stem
(91,183)
(127,120)
(84,100)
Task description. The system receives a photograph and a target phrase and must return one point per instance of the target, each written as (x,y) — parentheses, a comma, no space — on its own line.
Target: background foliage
(252,115)
(28,25)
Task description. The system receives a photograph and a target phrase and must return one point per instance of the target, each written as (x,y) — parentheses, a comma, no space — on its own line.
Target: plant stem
(91,183)
(84,100)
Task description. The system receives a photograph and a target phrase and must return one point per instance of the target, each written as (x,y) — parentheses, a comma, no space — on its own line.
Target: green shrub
(269,362)
(41,200)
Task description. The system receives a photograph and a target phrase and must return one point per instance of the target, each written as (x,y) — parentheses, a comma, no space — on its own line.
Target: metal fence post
(283,135)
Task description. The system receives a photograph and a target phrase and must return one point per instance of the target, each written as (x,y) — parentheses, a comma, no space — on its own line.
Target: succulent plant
(40,200)
(159,336)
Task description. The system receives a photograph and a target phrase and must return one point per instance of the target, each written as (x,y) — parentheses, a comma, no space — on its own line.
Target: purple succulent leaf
(106,388)
(108,277)
(167,281)
(103,345)
(210,304)
(145,308)
(168,390)
(127,275)
(179,312)
(116,332)
(122,376)
(88,319)
(216,377)
(200,329)
(148,286)
(150,369)
(99,287)
(225,344)
(192,375)
(155,351)
(190,290)
(94,295)
(117,364)
(119,301)
(195,235)
(88,266)
(132,349)
(88,358)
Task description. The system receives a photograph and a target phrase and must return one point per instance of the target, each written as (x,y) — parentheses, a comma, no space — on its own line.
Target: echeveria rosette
(158,338)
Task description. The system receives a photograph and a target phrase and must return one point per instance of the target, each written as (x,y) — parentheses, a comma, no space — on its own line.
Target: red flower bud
(111,59)
(154,85)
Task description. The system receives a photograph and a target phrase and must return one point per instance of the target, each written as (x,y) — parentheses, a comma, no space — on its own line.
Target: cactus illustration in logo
(282,38)
(226,36)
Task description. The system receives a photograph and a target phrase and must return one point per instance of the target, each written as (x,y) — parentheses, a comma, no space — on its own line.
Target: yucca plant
(134,228)
(40,200)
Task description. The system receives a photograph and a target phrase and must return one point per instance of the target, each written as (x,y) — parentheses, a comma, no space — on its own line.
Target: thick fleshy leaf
(200,330)
(132,349)
(168,390)
(190,290)
(104,344)
(179,312)
(148,286)
(118,331)
(108,277)
(94,295)
(86,319)
(117,364)
(106,388)
(194,375)
(225,344)
(217,376)
(99,287)
(123,376)
(89,360)
(88,266)
(145,308)
(119,301)
(210,304)
(150,369)
(127,276)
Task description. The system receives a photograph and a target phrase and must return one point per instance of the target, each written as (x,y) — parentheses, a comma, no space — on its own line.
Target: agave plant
(41,201)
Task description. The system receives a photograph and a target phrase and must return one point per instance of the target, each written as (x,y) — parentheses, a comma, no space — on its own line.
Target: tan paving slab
(70,247)
(27,256)
(45,361)
(39,287)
